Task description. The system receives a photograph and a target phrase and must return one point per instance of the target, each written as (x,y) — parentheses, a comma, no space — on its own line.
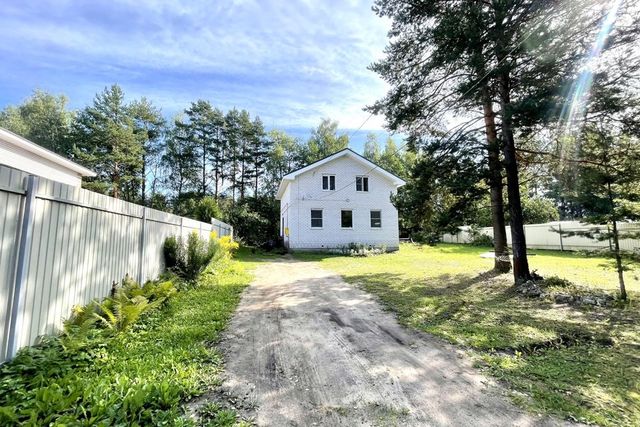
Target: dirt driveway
(305,348)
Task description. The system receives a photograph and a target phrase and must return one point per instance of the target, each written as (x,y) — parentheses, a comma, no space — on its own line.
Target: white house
(20,153)
(341,199)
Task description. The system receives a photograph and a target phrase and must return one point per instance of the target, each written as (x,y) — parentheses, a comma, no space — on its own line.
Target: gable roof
(347,152)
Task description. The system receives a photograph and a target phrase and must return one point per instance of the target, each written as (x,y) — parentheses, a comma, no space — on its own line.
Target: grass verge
(577,363)
(139,377)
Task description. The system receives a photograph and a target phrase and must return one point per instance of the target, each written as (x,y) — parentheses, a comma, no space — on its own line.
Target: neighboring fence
(543,236)
(62,246)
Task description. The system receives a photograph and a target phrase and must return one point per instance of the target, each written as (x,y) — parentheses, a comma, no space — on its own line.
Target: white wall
(543,236)
(19,158)
(307,194)
(77,245)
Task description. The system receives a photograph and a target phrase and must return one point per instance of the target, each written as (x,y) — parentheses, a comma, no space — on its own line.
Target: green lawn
(142,376)
(556,359)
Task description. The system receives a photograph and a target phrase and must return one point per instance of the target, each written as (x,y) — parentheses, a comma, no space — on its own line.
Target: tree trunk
(502,262)
(518,240)
(616,246)
(143,189)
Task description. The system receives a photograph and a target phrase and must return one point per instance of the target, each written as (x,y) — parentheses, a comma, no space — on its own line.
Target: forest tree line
(203,163)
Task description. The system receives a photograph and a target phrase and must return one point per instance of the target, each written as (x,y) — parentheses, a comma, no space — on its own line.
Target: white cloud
(290,62)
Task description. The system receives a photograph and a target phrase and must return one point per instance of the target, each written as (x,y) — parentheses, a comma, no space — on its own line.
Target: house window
(362,183)
(346,219)
(316,218)
(328,182)
(376,219)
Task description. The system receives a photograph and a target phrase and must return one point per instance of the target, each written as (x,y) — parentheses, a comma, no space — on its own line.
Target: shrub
(173,253)
(190,259)
(362,250)
(206,209)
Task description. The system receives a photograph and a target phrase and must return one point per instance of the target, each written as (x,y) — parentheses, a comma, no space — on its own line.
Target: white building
(20,153)
(341,199)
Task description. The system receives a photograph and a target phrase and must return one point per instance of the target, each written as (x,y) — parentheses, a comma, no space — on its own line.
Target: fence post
(143,232)
(26,231)
(181,227)
(560,233)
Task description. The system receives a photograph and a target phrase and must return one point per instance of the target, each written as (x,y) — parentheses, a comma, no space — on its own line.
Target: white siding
(16,157)
(305,193)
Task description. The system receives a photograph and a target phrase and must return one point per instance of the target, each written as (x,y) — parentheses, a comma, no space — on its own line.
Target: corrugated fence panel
(548,236)
(11,201)
(81,243)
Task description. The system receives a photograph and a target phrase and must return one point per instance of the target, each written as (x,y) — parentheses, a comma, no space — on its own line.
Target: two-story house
(341,199)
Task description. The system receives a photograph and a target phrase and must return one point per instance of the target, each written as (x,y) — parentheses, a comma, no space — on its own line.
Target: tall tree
(450,56)
(218,151)
(283,157)
(180,160)
(43,118)
(149,129)
(324,141)
(233,138)
(372,148)
(201,131)
(105,141)
(259,148)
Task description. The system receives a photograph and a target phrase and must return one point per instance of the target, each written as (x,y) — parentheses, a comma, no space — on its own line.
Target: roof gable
(347,152)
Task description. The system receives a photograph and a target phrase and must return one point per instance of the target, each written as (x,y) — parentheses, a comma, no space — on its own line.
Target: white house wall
(305,193)
(18,158)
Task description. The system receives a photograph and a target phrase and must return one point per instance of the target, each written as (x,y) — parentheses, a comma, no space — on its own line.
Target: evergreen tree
(105,141)
(259,148)
(233,138)
(202,133)
(149,129)
(181,160)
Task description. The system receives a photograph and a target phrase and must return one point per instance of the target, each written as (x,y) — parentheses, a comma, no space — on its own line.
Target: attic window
(362,183)
(328,182)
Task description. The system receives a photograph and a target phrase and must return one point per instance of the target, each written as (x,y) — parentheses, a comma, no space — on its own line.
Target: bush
(206,209)
(362,250)
(188,260)
(479,239)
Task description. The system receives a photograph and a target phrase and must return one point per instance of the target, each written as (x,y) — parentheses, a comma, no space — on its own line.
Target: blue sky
(290,62)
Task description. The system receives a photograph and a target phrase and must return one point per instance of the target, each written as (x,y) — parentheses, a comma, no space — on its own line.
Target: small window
(328,182)
(362,183)
(346,219)
(316,218)
(376,219)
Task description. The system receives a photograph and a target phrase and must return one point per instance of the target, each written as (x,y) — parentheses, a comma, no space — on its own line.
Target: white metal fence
(547,236)
(62,246)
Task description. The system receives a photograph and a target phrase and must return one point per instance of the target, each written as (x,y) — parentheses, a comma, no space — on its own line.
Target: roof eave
(34,148)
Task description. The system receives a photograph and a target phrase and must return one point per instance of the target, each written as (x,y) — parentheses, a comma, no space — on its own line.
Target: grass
(142,376)
(556,359)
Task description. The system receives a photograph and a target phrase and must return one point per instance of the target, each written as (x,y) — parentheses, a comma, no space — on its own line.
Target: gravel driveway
(305,348)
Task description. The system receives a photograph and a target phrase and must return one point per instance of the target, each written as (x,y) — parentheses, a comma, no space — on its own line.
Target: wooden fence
(62,246)
(547,236)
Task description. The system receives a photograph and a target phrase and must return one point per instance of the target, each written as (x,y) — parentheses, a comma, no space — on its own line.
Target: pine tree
(149,129)
(180,160)
(105,141)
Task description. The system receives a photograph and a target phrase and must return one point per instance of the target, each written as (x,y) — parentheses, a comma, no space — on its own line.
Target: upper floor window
(362,183)
(328,182)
